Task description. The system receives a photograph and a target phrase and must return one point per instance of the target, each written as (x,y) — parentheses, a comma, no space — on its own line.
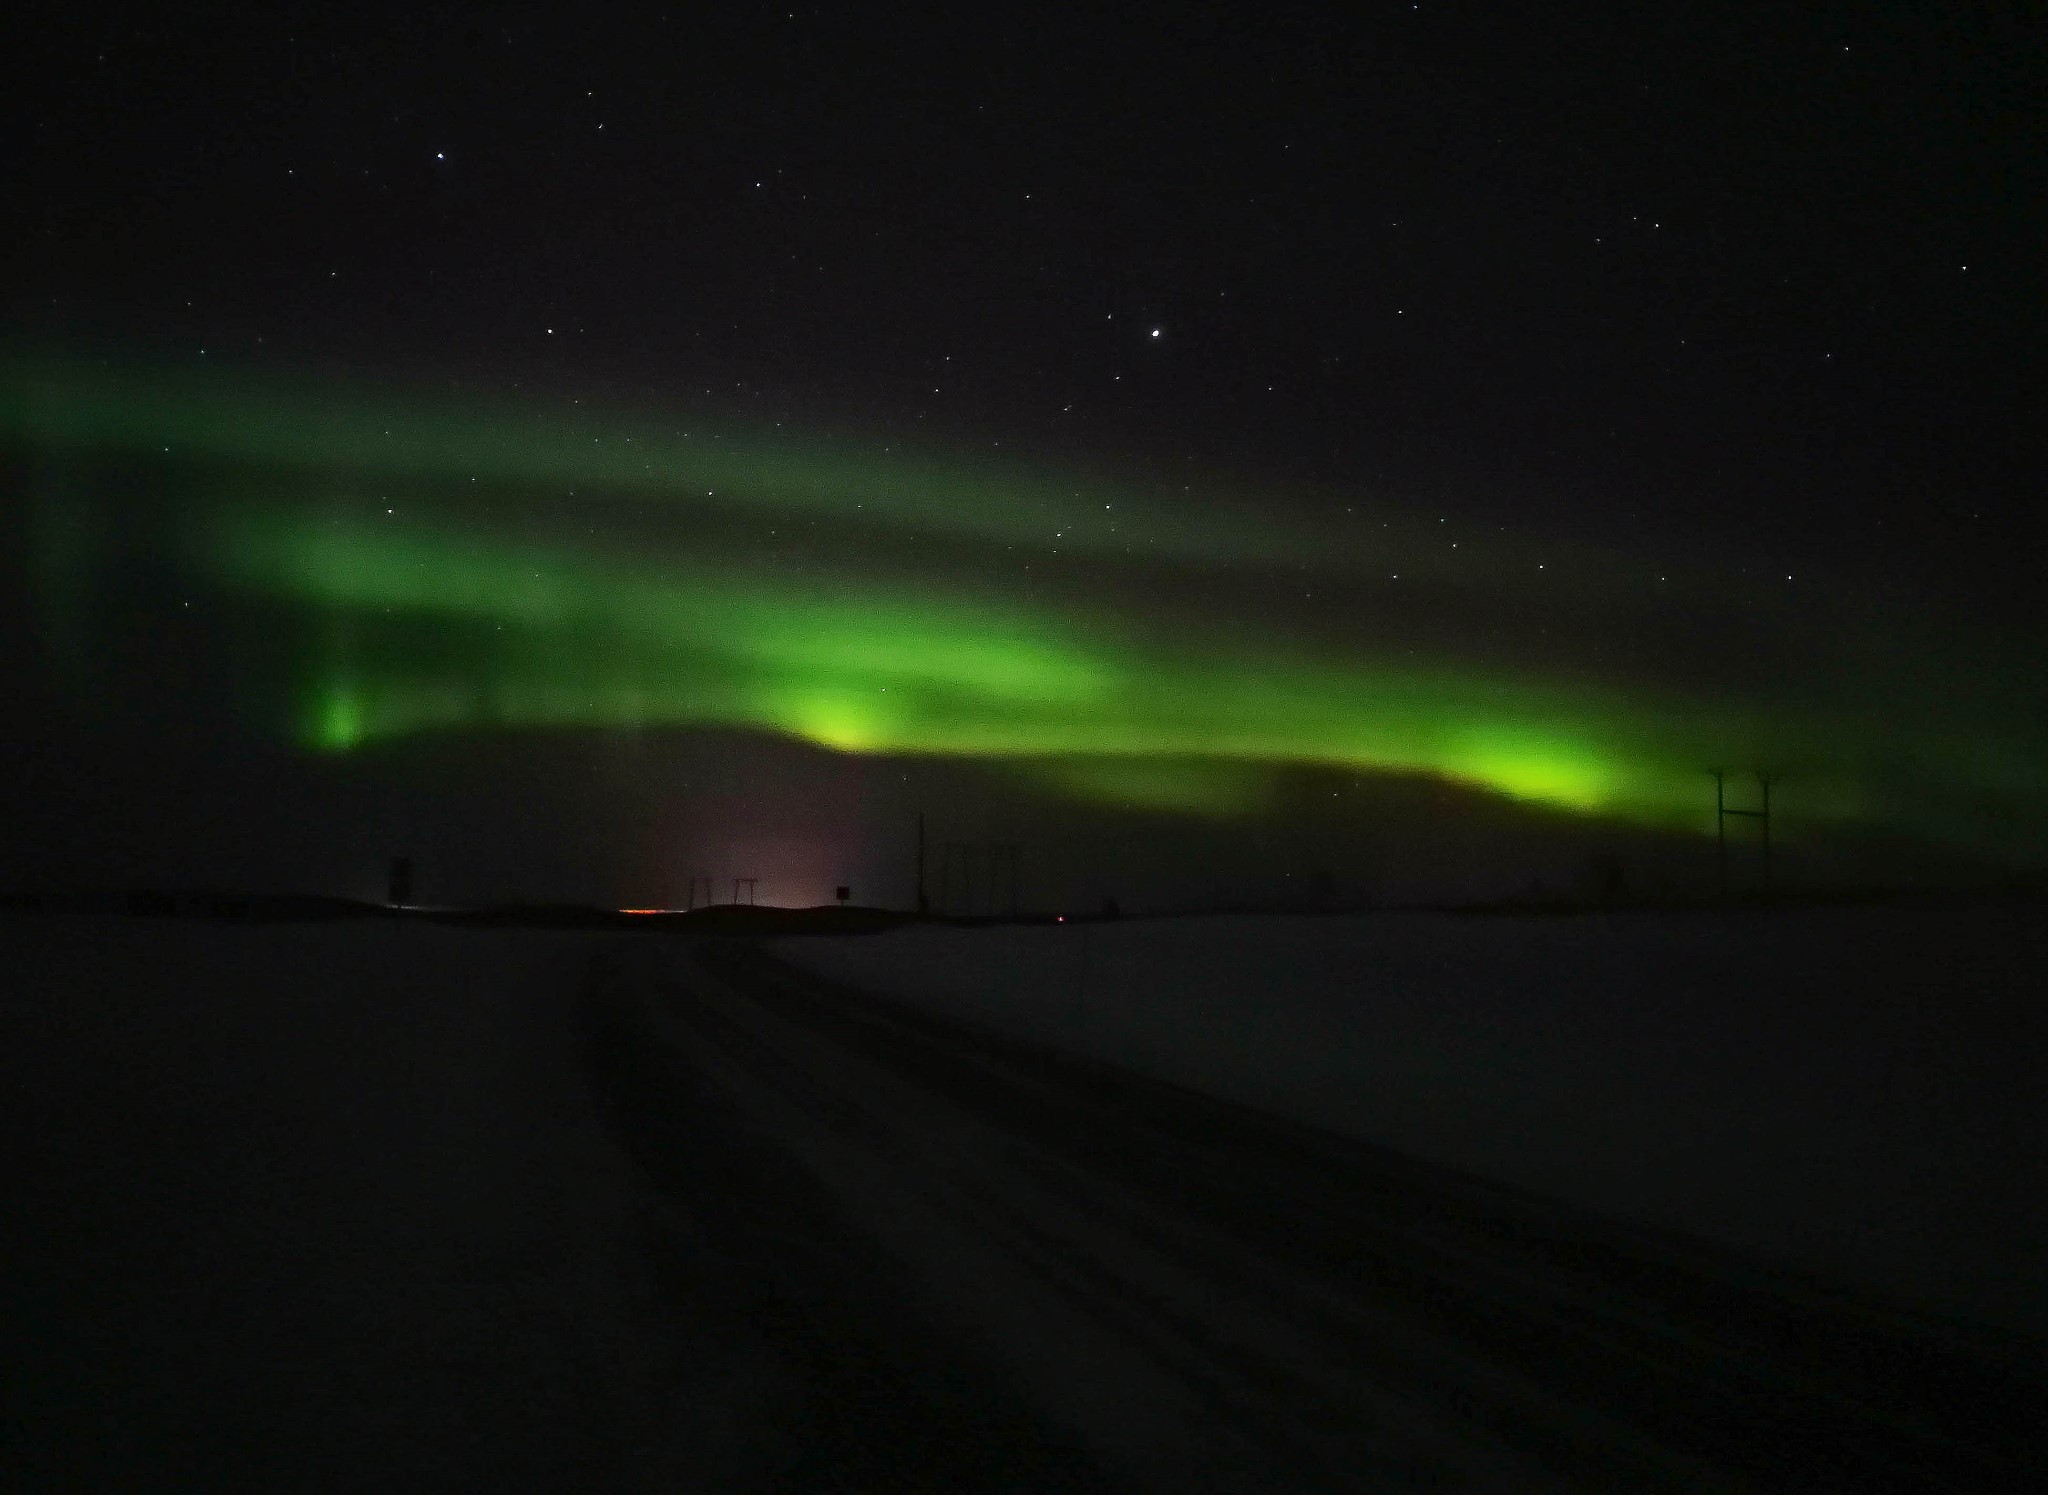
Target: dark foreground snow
(1857,1092)
(307,1208)
(382,1205)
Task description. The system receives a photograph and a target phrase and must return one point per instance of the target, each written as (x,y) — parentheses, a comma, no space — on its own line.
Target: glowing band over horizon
(560,640)
(451,622)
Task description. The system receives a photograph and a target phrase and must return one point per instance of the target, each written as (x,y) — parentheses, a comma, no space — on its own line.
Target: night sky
(1209,446)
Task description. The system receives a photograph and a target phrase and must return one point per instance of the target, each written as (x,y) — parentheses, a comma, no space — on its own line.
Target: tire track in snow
(1267,1307)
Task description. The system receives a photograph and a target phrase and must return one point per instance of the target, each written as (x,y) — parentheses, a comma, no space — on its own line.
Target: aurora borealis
(1415,445)
(421,558)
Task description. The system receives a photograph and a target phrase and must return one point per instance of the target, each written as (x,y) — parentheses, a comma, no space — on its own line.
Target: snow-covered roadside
(311,1208)
(1861,1093)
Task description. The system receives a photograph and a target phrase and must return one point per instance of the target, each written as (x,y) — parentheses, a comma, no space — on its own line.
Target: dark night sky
(1757,291)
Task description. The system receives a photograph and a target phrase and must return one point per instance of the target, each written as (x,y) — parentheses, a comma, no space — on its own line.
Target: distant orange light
(646,911)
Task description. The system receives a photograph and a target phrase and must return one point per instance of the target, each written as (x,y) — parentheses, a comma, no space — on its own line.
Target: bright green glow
(338,723)
(682,641)
(564,640)
(433,619)
(1550,772)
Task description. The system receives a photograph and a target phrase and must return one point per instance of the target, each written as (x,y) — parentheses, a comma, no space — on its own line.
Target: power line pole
(984,866)
(1721,814)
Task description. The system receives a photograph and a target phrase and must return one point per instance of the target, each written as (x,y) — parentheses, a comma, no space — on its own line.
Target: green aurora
(453,621)
(560,640)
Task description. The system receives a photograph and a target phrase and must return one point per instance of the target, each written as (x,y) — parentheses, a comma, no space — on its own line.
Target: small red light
(1062,918)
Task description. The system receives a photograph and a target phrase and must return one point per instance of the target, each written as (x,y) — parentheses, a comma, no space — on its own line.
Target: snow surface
(1859,1094)
(329,1207)
(317,1207)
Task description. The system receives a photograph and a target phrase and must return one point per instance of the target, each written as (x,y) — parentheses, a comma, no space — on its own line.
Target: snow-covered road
(380,1204)
(1173,1292)
(1852,1092)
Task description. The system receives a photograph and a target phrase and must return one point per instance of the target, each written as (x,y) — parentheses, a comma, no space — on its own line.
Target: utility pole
(982,863)
(1721,814)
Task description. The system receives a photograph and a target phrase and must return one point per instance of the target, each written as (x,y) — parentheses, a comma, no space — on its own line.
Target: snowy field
(336,1206)
(1861,1094)
(316,1207)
